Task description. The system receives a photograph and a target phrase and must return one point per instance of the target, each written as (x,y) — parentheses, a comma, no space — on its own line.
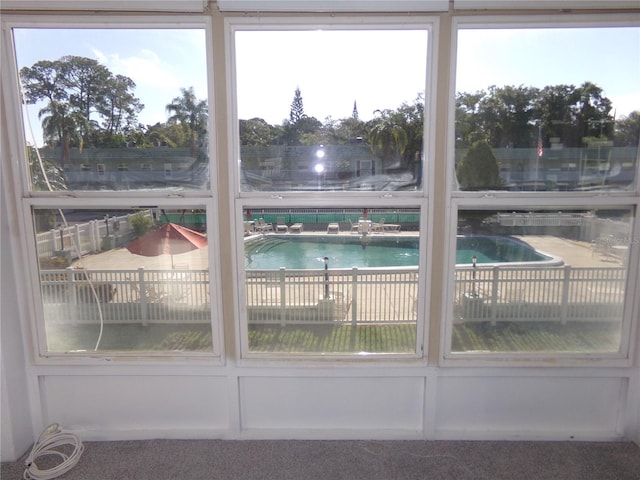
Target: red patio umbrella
(169,239)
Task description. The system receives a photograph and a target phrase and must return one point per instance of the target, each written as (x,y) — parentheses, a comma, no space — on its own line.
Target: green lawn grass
(508,337)
(330,339)
(130,338)
(573,337)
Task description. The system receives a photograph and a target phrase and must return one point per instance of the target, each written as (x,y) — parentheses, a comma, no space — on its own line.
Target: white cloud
(146,68)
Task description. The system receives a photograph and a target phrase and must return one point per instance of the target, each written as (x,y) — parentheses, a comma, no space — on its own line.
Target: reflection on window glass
(540,281)
(331,281)
(534,117)
(130,281)
(342,110)
(114,100)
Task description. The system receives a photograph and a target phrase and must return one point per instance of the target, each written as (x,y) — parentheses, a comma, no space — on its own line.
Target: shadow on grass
(332,339)
(573,337)
(130,338)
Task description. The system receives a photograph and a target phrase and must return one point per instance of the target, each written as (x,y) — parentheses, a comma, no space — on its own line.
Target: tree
(478,169)
(119,108)
(387,138)
(255,132)
(106,102)
(412,121)
(553,109)
(297,109)
(63,126)
(140,223)
(469,127)
(190,112)
(44,174)
(41,81)
(85,81)
(507,116)
(349,130)
(628,130)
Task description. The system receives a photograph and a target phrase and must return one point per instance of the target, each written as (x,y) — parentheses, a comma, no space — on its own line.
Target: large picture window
(550,119)
(336,119)
(543,143)
(331,281)
(341,110)
(124,281)
(121,110)
(114,98)
(541,280)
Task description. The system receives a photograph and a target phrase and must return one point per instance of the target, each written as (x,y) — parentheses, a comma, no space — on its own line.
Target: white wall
(381,403)
(16,431)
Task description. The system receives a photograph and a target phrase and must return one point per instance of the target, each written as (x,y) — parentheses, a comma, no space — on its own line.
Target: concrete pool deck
(573,252)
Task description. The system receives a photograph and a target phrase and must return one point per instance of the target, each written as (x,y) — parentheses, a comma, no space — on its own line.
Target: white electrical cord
(64,219)
(51,438)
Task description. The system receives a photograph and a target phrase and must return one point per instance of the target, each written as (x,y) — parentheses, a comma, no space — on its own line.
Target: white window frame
(474,200)
(419,199)
(27,199)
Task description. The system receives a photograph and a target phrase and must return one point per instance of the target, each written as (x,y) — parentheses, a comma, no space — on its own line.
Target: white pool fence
(356,296)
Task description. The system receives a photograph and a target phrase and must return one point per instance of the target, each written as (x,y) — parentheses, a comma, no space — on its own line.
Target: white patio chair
(281,226)
(264,227)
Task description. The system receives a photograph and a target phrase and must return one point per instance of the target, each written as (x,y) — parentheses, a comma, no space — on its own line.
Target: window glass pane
(540,281)
(114,100)
(342,110)
(124,280)
(547,109)
(331,281)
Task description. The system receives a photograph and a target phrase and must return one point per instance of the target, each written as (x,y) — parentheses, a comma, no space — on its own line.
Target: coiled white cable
(51,438)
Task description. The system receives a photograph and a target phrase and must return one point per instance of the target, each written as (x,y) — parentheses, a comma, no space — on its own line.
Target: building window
(123,281)
(541,141)
(123,66)
(540,281)
(117,280)
(328,117)
(332,274)
(331,281)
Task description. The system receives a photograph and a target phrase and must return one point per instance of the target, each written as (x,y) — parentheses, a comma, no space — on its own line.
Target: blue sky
(609,57)
(377,70)
(160,62)
(333,69)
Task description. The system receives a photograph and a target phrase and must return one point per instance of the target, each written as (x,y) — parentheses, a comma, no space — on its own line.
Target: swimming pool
(272,252)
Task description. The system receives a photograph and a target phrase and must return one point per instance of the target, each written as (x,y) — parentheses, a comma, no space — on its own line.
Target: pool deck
(573,252)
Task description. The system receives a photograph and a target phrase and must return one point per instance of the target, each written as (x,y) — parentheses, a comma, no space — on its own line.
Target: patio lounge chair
(378,227)
(296,228)
(364,227)
(281,226)
(333,228)
(354,227)
(264,227)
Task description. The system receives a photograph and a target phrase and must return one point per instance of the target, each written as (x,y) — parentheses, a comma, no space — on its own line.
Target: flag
(540,148)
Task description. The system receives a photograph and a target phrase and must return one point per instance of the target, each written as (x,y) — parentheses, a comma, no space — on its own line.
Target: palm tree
(190,112)
(64,126)
(388,139)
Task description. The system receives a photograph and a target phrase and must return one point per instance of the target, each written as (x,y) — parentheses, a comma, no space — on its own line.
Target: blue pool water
(307,251)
